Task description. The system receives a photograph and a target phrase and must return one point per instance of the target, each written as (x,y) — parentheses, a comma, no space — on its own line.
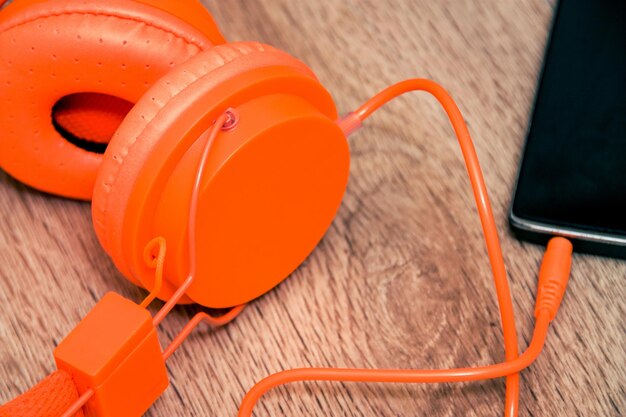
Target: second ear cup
(271,185)
(71,71)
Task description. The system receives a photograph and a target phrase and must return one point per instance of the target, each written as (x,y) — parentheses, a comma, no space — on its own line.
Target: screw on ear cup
(158,138)
(88,61)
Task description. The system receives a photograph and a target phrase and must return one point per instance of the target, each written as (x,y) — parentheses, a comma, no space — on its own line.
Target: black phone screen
(573,171)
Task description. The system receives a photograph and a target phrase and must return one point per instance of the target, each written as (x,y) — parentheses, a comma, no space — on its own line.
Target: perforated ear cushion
(162,106)
(88,61)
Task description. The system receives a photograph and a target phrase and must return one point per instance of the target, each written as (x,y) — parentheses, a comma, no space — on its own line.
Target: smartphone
(572,177)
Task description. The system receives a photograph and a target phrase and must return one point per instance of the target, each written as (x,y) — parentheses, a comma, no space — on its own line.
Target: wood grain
(401,278)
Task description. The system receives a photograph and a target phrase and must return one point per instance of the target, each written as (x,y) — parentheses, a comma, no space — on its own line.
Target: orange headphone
(240,132)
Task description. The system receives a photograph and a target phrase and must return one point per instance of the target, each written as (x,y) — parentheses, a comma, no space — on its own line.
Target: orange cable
(485,212)
(155,262)
(402,375)
(78,404)
(552,283)
(195,321)
(210,135)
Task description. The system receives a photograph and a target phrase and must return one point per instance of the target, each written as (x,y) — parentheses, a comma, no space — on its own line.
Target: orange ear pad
(70,71)
(271,188)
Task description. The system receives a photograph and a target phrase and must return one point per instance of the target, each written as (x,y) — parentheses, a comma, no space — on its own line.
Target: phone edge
(596,243)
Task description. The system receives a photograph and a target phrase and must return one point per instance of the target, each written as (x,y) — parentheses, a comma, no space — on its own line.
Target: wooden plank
(401,279)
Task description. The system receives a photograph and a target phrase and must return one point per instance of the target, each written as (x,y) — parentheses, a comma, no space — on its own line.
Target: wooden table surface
(401,278)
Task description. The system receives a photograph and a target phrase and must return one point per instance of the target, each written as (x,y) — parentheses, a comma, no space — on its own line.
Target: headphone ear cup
(71,71)
(163,104)
(276,180)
